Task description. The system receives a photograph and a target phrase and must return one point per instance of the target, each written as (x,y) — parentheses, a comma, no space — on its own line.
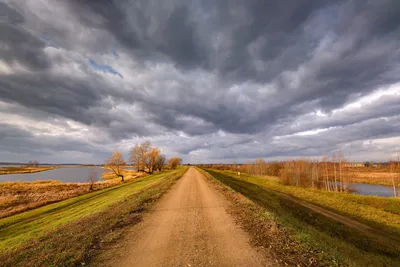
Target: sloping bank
(311,227)
(70,232)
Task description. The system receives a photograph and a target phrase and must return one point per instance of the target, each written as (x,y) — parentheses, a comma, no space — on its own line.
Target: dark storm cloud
(79,100)
(362,52)
(10,15)
(253,68)
(175,29)
(129,22)
(17,45)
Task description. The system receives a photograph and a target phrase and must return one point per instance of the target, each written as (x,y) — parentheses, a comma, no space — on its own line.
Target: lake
(67,175)
(372,190)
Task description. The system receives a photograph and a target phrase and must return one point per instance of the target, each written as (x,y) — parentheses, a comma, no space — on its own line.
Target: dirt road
(189,226)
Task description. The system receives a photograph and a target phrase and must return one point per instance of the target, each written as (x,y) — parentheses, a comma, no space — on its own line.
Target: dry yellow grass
(25,169)
(17,197)
(127,174)
(372,176)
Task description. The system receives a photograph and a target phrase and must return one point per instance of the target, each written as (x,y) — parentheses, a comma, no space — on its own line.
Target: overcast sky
(206,80)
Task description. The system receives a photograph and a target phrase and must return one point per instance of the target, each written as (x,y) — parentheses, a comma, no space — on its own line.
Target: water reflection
(372,190)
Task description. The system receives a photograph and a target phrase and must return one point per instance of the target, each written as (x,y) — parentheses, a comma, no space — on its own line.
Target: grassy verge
(70,232)
(25,169)
(16,197)
(310,237)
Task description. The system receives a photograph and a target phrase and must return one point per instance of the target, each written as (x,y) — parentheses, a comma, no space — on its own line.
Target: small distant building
(354,164)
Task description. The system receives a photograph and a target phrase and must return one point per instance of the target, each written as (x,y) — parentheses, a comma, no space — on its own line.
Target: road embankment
(70,232)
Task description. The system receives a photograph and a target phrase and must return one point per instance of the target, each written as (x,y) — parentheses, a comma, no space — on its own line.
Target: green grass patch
(333,242)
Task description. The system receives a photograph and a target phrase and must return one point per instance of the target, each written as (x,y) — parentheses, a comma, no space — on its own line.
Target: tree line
(327,173)
(143,157)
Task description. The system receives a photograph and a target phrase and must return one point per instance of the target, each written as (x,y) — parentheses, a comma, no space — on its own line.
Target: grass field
(370,236)
(18,232)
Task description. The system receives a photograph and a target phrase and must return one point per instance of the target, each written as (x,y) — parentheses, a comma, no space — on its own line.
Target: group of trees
(144,157)
(175,162)
(33,163)
(147,158)
(328,174)
(261,167)
(394,169)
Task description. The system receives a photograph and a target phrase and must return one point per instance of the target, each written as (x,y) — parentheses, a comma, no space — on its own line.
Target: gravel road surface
(189,226)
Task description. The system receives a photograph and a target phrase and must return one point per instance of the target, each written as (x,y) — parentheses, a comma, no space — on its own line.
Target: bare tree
(341,175)
(175,162)
(325,162)
(392,166)
(334,172)
(314,174)
(33,163)
(115,163)
(92,178)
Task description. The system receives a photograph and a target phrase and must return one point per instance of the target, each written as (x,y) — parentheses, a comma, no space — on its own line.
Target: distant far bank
(46,164)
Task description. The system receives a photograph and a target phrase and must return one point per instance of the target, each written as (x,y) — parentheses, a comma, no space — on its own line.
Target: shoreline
(25,170)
